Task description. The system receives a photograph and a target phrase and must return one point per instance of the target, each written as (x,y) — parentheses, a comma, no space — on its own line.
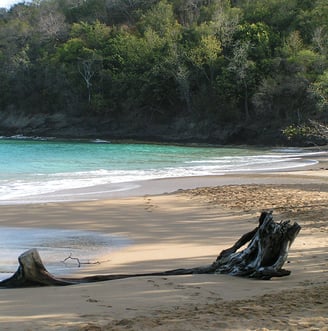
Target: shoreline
(102,187)
(177,229)
(309,173)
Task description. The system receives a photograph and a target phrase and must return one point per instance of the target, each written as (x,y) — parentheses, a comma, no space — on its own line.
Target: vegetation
(215,70)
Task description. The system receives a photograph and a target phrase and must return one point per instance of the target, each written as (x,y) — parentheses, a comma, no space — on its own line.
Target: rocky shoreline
(180,130)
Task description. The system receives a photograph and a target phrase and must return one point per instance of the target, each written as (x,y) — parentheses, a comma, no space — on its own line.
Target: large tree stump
(263,258)
(266,253)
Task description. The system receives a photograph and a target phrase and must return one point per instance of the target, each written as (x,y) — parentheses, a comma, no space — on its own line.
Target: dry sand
(184,229)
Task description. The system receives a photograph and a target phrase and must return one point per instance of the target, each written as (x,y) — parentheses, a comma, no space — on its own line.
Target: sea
(35,169)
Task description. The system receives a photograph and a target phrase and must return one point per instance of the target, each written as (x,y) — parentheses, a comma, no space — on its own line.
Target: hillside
(218,71)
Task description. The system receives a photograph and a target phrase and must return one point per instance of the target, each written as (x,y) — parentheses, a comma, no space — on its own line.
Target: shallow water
(54,247)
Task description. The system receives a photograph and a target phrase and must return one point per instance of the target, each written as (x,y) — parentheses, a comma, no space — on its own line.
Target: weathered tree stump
(266,253)
(263,258)
(31,272)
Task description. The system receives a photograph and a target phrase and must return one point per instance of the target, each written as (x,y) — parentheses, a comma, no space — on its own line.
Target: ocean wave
(50,171)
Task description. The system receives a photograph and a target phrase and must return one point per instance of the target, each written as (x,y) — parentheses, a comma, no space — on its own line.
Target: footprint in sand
(179,287)
(91,300)
(153,282)
(149,207)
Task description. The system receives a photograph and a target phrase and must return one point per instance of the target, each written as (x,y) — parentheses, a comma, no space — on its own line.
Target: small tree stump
(32,272)
(263,258)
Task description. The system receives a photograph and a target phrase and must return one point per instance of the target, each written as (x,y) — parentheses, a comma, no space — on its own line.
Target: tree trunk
(263,258)
(246,100)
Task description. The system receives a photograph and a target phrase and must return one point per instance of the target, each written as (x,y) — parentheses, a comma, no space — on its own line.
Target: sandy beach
(184,223)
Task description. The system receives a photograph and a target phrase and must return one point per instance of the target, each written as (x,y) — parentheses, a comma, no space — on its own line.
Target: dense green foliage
(198,65)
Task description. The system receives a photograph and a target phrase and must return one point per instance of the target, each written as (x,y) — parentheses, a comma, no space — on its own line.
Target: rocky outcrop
(179,130)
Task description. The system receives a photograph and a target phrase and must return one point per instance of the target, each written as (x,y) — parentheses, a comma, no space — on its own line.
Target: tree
(51,22)
(242,68)
(188,11)
(206,54)
(293,43)
(82,54)
(319,88)
(160,18)
(320,40)
(225,22)
(147,61)
(279,14)
(88,68)
(127,11)
(284,98)
(77,11)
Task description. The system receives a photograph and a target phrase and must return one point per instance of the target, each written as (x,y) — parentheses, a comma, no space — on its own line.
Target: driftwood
(266,253)
(263,258)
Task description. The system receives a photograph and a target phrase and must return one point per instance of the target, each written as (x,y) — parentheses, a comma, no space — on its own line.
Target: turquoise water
(34,168)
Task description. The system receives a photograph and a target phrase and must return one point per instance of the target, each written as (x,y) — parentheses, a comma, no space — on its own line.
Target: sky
(8,3)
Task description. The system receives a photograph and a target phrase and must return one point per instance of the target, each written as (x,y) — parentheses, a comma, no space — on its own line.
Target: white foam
(20,188)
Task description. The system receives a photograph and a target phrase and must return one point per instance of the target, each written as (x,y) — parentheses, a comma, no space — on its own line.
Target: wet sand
(185,228)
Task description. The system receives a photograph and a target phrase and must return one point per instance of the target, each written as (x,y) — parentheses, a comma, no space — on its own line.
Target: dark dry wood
(263,258)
